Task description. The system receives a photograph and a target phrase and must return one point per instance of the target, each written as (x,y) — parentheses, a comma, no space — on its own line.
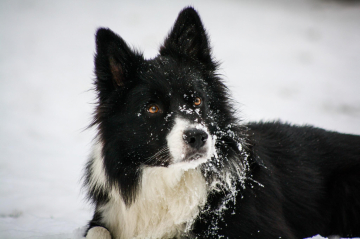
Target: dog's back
(316,173)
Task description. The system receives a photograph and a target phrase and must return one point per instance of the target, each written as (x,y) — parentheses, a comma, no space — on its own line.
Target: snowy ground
(297,60)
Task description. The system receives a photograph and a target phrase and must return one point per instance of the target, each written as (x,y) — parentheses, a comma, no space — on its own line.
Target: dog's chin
(190,162)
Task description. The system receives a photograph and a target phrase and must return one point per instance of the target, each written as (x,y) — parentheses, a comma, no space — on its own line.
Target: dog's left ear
(188,39)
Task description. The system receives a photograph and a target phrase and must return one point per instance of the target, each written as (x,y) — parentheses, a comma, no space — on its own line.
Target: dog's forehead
(167,71)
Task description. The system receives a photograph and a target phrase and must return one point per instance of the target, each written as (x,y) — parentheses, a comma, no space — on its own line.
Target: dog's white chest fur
(165,207)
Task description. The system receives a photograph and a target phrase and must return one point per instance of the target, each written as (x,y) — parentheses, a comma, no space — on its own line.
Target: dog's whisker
(161,156)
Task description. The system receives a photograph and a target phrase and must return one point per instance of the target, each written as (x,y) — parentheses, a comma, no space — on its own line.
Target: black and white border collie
(171,159)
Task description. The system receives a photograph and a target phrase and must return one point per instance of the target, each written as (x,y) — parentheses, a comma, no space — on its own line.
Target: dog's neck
(168,201)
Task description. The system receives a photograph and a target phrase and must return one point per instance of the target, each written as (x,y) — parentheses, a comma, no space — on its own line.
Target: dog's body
(172,161)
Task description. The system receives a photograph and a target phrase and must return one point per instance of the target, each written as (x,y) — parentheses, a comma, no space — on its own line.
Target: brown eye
(153,109)
(197,101)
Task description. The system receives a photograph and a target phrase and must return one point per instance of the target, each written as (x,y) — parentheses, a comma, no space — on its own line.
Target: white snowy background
(294,60)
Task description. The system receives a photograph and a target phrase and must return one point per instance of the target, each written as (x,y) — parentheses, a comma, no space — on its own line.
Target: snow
(283,59)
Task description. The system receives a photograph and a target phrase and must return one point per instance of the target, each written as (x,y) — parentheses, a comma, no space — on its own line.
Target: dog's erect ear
(115,62)
(188,38)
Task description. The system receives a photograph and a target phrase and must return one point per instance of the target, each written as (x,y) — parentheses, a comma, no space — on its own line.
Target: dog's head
(159,112)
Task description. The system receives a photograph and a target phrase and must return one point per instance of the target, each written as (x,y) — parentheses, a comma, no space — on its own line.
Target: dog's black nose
(196,138)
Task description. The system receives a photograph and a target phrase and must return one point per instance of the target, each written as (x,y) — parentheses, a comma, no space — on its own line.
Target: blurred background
(294,60)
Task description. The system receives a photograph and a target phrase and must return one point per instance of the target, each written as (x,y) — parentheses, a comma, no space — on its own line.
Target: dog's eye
(197,101)
(153,109)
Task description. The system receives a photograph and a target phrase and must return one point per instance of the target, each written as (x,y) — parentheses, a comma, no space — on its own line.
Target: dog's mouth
(195,155)
(191,160)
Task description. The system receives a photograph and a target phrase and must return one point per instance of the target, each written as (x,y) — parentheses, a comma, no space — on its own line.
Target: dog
(172,160)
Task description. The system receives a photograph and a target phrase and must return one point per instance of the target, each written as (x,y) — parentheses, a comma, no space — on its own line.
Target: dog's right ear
(115,62)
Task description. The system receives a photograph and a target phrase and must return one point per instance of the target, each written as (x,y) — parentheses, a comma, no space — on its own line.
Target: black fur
(296,181)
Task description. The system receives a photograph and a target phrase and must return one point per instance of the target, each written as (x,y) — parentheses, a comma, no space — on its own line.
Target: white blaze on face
(179,148)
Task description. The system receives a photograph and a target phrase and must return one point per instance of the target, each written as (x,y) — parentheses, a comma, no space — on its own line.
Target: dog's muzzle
(189,142)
